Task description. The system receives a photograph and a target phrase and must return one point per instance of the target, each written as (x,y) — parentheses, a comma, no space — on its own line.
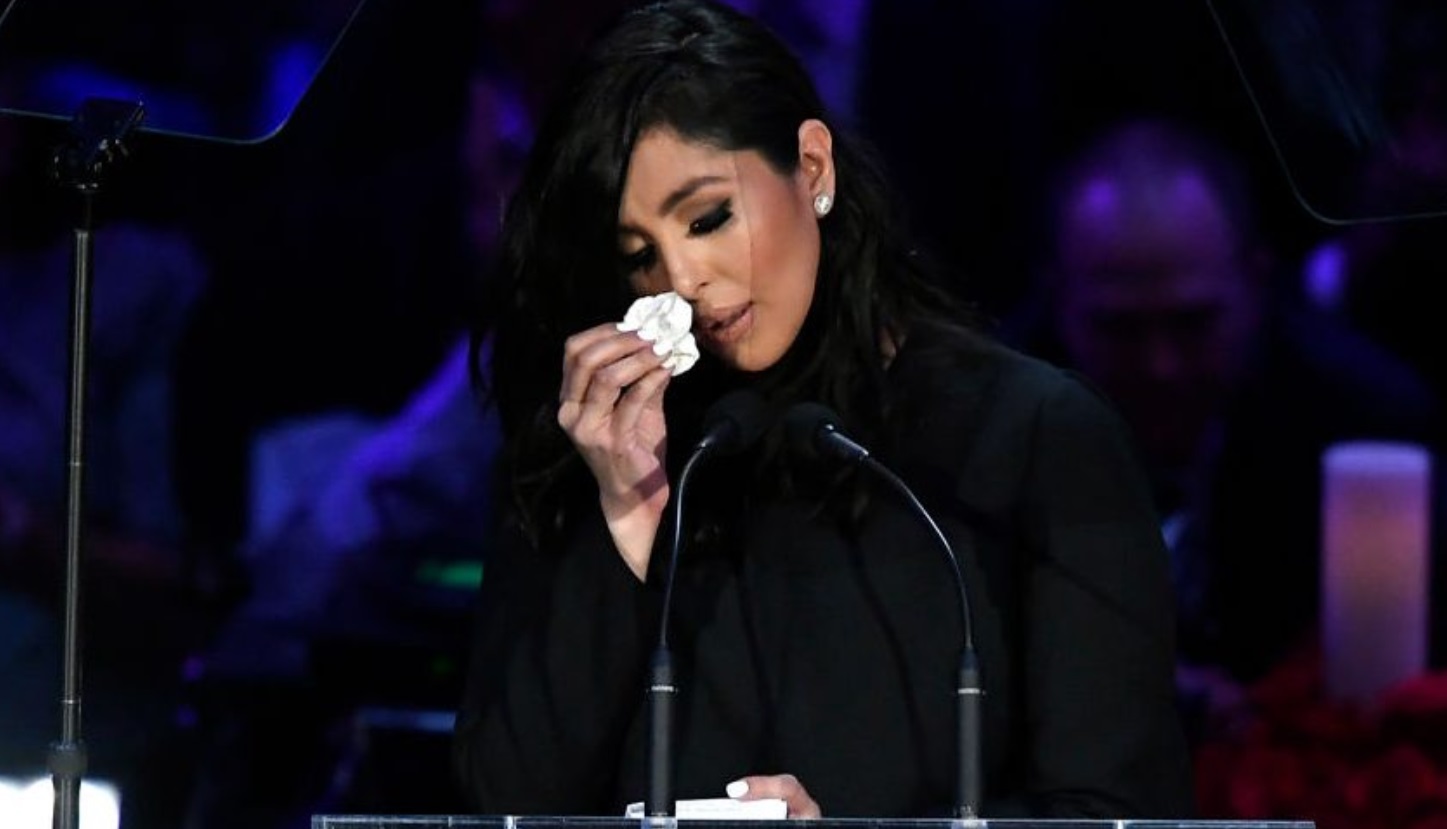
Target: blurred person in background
(364,539)
(1160,288)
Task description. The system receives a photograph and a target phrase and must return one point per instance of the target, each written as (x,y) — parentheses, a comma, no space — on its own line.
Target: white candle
(1374,574)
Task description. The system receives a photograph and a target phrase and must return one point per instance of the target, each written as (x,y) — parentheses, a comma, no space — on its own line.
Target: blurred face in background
(1158,303)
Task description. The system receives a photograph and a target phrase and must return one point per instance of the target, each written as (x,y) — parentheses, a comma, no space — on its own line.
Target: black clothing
(806,646)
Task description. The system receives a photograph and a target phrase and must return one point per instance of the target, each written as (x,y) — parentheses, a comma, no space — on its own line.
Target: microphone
(813,430)
(732,424)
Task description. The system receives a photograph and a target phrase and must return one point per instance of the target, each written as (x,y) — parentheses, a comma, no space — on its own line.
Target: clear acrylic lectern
(539,822)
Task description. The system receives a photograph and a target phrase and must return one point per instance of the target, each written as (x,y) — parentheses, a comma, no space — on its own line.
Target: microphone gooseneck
(812,429)
(731,425)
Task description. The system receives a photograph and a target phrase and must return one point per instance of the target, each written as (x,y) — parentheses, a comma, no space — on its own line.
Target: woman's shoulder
(987,411)
(964,364)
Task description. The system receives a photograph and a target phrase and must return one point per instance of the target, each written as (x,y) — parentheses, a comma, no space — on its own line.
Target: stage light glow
(30,804)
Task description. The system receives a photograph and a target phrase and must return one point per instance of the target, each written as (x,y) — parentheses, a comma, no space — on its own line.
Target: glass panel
(1352,95)
(231,72)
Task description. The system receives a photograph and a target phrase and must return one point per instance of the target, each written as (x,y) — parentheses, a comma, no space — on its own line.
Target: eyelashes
(639,260)
(645,257)
(713,220)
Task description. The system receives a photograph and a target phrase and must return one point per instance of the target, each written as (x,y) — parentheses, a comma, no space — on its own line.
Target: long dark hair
(713,75)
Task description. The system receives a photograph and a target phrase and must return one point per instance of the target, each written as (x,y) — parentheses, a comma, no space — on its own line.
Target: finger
(582,355)
(645,393)
(785,787)
(587,352)
(580,341)
(596,411)
(611,380)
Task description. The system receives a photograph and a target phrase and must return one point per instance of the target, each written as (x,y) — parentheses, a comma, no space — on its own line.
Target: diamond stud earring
(823,203)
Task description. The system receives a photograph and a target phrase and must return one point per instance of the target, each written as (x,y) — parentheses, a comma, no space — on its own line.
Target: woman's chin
(746,360)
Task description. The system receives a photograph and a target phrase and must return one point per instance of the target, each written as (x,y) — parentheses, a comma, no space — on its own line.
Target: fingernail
(737,789)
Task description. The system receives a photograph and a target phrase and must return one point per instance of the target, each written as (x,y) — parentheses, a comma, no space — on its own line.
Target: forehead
(1113,214)
(661,157)
(1171,233)
(665,164)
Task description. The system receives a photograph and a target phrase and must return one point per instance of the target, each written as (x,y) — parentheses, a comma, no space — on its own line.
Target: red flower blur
(1296,754)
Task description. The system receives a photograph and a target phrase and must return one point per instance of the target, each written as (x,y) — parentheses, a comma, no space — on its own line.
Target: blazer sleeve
(556,677)
(1105,738)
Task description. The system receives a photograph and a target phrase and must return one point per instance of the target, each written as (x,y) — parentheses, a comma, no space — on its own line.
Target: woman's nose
(683,274)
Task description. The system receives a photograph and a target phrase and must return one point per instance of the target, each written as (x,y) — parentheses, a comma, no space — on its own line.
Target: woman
(815,626)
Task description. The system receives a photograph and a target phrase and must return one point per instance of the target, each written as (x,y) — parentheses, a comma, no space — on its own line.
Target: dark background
(340,271)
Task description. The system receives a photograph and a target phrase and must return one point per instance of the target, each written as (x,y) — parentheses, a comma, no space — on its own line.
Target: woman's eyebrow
(687,189)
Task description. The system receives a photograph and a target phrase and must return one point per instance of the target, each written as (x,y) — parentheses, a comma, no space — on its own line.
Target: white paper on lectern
(721,808)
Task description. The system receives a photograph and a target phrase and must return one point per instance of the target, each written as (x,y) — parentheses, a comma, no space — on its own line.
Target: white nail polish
(737,789)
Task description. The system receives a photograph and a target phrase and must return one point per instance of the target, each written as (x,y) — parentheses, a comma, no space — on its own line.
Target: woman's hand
(611,406)
(785,787)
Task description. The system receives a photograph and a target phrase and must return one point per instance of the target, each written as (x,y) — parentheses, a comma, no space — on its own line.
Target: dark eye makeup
(643,258)
(713,220)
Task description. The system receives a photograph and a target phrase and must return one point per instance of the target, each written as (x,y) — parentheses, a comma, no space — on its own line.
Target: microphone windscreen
(736,421)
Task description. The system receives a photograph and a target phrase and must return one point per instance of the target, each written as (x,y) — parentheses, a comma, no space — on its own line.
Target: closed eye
(644,258)
(639,260)
(713,220)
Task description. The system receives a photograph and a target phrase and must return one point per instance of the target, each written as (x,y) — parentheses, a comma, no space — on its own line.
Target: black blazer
(828,651)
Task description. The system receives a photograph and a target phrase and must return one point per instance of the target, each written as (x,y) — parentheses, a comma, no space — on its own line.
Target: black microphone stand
(662,688)
(969,688)
(812,427)
(97,141)
(733,423)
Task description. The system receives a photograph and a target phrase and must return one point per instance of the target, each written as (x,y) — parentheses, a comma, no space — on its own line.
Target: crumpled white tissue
(664,320)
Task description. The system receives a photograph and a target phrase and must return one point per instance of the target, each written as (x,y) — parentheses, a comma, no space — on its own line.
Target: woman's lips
(727,327)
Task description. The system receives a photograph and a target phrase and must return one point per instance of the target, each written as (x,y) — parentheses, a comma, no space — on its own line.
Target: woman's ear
(816,162)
